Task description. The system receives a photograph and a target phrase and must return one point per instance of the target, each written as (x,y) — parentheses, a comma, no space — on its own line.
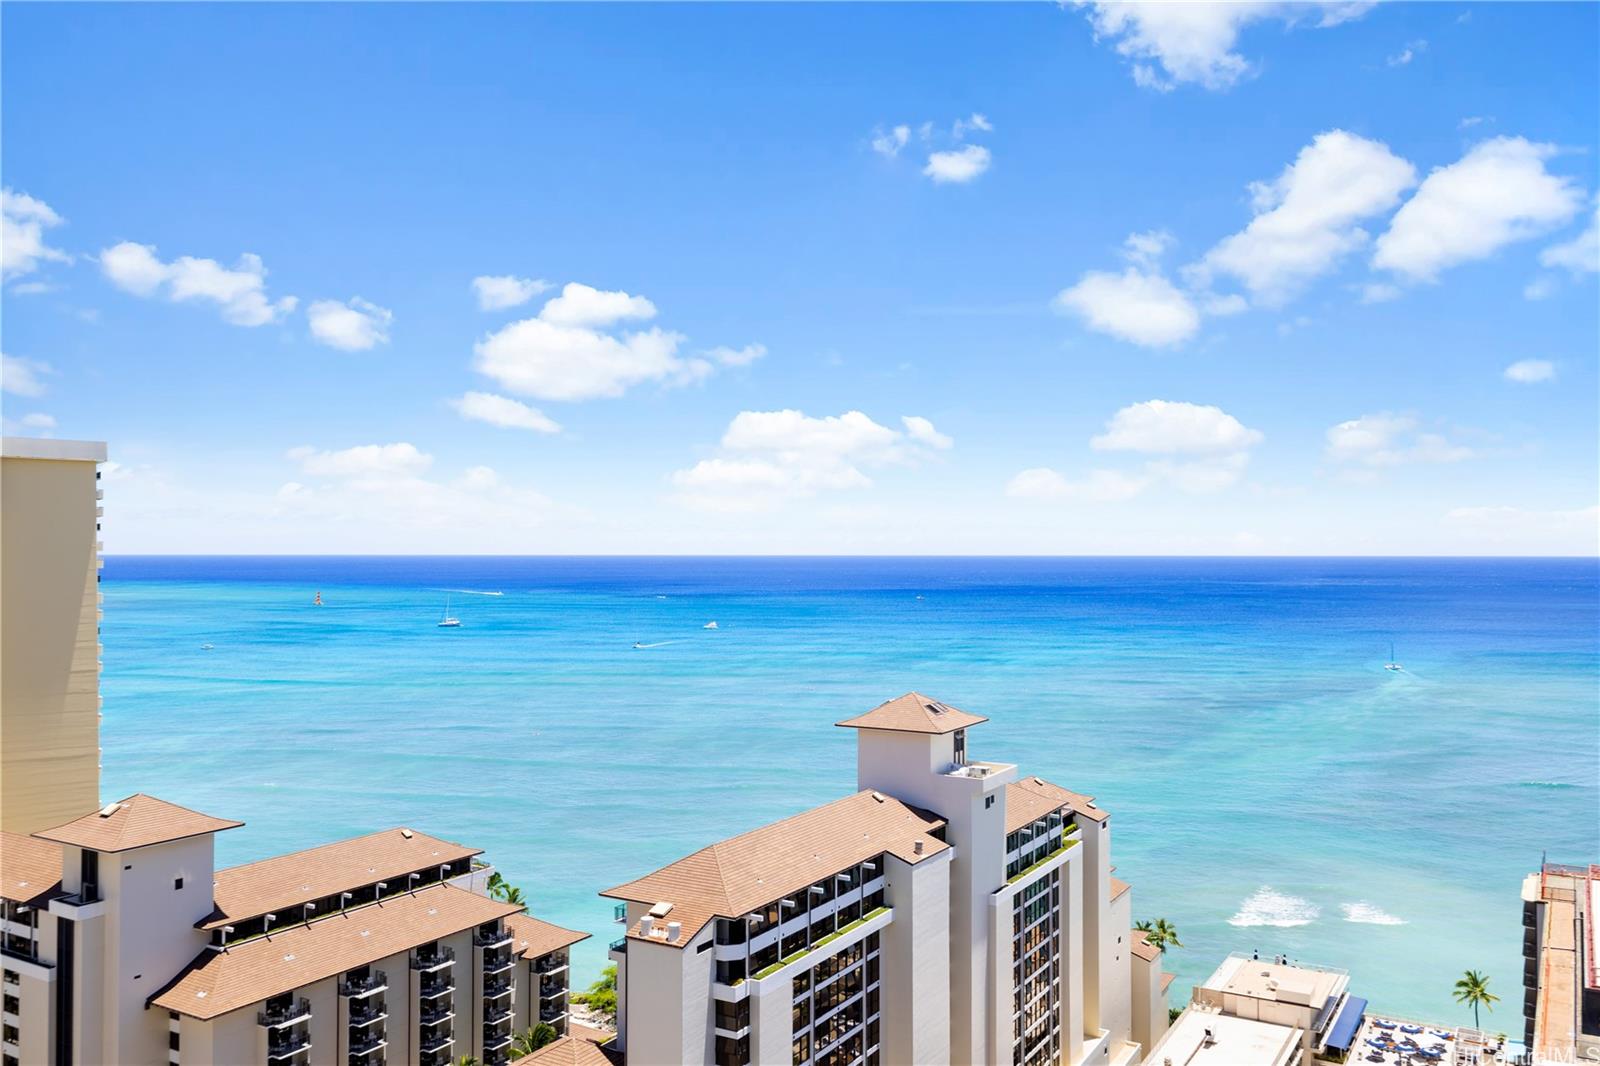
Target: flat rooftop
(89,451)
(1274,981)
(1232,1042)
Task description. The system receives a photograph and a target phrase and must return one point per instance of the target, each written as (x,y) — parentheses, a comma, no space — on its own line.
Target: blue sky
(1097,279)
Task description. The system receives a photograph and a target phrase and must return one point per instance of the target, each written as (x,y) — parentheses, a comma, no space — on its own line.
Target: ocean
(1272,787)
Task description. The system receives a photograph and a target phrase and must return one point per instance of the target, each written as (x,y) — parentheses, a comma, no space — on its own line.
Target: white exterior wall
(36,995)
(659,1002)
(1072,973)
(1149,1004)
(915,963)
(1096,847)
(912,768)
(772,1021)
(1116,972)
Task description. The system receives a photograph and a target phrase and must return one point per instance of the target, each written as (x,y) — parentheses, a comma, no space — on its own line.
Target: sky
(903,279)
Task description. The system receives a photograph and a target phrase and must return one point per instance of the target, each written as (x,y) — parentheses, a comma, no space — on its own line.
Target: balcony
(287,1048)
(550,964)
(495,1015)
(435,959)
(494,1041)
(435,1013)
(619,913)
(285,1014)
(431,1045)
(496,939)
(620,944)
(366,1045)
(496,987)
(439,986)
(367,1014)
(362,987)
(552,990)
(498,962)
(551,1014)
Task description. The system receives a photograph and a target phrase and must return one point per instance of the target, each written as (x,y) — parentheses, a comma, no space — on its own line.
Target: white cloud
(1146,249)
(355,326)
(1581,255)
(959,165)
(976,121)
(921,430)
(770,456)
(1193,42)
(240,292)
(1173,427)
(366,460)
(737,356)
(1469,122)
(503,411)
(23,221)
(1377,292)
(1529,371)
(534,357)
(22,377)
(1496,194)
(1385,439)
(1136,306)
(1307,218)
(1100,486)
(582,306)
(497,292)
(888,143)
(1408,53)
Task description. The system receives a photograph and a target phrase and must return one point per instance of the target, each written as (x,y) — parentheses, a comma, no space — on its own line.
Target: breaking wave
(1270,907)
(1368,914)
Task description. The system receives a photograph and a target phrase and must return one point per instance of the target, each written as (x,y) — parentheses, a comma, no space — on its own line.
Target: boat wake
(657,644)
(473,592)
(1270,907)
(1366,914)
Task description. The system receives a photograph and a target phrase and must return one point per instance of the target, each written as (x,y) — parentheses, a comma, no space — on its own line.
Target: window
(172,1040)
(988,801)
(177,884)
(961,747)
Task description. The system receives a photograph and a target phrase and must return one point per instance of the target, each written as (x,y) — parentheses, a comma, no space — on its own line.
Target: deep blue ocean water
(1272,787)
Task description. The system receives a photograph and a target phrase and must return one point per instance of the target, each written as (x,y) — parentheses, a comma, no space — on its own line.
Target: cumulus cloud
(497,292)
(1172,427)
(770,456)
(1170,44)
(239,292)
(1581,255)
(1407,54)
(888,143)
(355,326)
(23,221)
(23,377)
(1308,217)
(1384,439)
(364,460)
(1138,306)
(1496,194)
(1193,448)
(976,121)
(574,349)
(583,306)
(959,165)
(503,411)
(1530,371)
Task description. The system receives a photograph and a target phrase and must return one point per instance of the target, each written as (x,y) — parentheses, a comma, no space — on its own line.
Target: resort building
(123,944)
(1561,963)
(50,648)
(950,911)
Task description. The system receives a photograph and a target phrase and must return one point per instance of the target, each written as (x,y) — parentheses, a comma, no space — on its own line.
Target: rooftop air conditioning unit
(674,931)
(647,926)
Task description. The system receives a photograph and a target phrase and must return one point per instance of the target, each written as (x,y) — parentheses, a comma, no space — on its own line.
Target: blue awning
(1343,1030)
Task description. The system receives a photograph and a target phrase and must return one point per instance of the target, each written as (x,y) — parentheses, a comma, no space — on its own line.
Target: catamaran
(1391,664)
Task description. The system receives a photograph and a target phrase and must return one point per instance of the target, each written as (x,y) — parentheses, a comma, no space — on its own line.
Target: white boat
(709,625)
(449,621)
(1391,664)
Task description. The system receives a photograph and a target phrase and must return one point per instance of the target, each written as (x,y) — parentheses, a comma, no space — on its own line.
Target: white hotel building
(951,911)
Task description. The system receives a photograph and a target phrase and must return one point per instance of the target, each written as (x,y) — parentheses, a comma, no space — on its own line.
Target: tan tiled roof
(742,873)
(568,1051)
(1118,887)
(284,881)
(135,822)
(29,868)
(536,938)
(1143,948)
(1166,981)
(1081,805)
(217,982)
(913,713)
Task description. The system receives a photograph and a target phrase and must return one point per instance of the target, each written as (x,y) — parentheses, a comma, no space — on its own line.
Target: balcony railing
(436,959)
(552,990)
(494,1015)
(496,987)
(550,1014)
(498,962)
(288,1047)
(620,944)
(367,1044)
(435,1043)
(285,1014)
(550,964)
(435,1013)
(619,913)
(361,987)
(439,986)
(367,1014)
(494,1040)
(494,939)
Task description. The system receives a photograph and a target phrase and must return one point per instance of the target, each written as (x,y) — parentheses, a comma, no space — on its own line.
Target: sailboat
(1391,664)
(449,621)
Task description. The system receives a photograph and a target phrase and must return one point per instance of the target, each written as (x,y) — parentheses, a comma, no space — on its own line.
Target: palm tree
(1161,933)
(531,1040)
(1473,988)
(512,894)
(495,885)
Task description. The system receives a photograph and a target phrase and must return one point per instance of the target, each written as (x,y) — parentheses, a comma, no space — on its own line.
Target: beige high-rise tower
(49,631)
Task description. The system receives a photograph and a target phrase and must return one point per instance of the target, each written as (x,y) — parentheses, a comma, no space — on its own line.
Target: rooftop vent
(877,796)
(406,833)
(661,910)
(109,809)
(674,931)
(916,847)
(647,926)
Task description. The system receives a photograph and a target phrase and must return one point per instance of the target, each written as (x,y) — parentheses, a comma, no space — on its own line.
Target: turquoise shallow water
(1272,787)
